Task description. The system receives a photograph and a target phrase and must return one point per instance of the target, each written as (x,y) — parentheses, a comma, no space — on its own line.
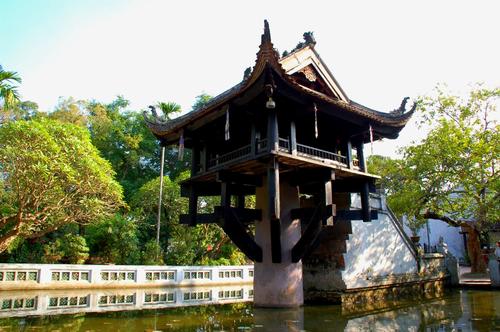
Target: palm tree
(8,91)
(168,108)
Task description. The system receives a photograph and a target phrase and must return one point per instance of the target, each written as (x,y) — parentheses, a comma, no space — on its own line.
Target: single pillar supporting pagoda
(279,284)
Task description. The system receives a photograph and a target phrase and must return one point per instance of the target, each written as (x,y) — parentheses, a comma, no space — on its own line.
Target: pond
(456,310)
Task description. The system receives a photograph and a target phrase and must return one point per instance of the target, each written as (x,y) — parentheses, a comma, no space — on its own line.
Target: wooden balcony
(302,153)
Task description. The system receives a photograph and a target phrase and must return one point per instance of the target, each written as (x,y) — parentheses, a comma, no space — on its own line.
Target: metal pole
(158,218)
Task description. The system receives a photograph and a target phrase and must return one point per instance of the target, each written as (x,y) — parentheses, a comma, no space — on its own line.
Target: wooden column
(349,154)
(329,206)
(272,130)
(240,202)
(365,203)
(293,138)
(193,207)
(203,158)
(253,141)
(225,194)
(361,156)
(195,159)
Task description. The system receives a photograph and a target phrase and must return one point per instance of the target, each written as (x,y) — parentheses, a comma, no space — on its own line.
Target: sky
(149,51)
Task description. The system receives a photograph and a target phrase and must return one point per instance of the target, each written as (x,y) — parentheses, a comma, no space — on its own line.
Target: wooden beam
(237,232)
(201,218)
(237,178)
(245,216)
(213,189)
(308,240)
(355,215)
(306,214)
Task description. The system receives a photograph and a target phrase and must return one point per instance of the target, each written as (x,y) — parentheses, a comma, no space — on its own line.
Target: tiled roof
(269,57)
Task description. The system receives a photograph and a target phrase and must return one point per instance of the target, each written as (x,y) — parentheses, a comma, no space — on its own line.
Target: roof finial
(266,37)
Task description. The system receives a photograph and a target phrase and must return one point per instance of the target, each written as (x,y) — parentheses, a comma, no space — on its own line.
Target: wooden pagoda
(288,134)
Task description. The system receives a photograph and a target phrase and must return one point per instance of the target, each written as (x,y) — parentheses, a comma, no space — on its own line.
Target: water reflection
(465,310)
(56,302)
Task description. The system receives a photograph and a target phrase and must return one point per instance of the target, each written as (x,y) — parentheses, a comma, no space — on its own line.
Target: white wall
(450,234)
(375,250)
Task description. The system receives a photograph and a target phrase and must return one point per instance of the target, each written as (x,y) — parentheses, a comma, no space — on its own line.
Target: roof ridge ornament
(402,108)
(155,117)
(266,36)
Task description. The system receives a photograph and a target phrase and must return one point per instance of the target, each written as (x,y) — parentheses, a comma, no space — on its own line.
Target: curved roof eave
(169,131)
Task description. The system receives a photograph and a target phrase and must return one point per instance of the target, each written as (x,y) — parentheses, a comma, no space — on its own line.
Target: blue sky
(379,51)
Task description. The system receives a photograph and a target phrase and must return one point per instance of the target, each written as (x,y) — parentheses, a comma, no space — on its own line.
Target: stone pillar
(278,284)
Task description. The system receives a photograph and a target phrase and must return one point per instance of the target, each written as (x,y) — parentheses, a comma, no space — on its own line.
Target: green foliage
(152,254)
(52,176)
(113,240)
(453,173)
(201,101)
(71,111)
(203,244)
(70,249)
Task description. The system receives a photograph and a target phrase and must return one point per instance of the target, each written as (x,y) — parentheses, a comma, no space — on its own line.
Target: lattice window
(197,275)
(160,275)
(18,304)
(197,296)
(231,274)
(120,299)
(68,301)
(69,276)
(231,294)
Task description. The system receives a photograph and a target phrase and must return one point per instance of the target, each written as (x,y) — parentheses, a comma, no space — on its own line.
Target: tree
(452,175)
(183,245)
(201,101)
(69,110)
(51,176)
(8,91)
(113,240)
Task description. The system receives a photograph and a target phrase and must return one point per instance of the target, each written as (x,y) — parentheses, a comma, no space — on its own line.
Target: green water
(457,310)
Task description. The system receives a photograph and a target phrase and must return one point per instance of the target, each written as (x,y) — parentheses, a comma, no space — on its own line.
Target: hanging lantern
(227,136)
(181,147)
(315,121)
(270,104)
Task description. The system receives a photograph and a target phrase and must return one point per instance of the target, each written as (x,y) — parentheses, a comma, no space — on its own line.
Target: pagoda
(288,134)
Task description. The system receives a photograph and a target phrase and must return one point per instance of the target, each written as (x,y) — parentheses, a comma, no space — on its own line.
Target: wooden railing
(230,156)
(309,151)
(283,144)
(261,146)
